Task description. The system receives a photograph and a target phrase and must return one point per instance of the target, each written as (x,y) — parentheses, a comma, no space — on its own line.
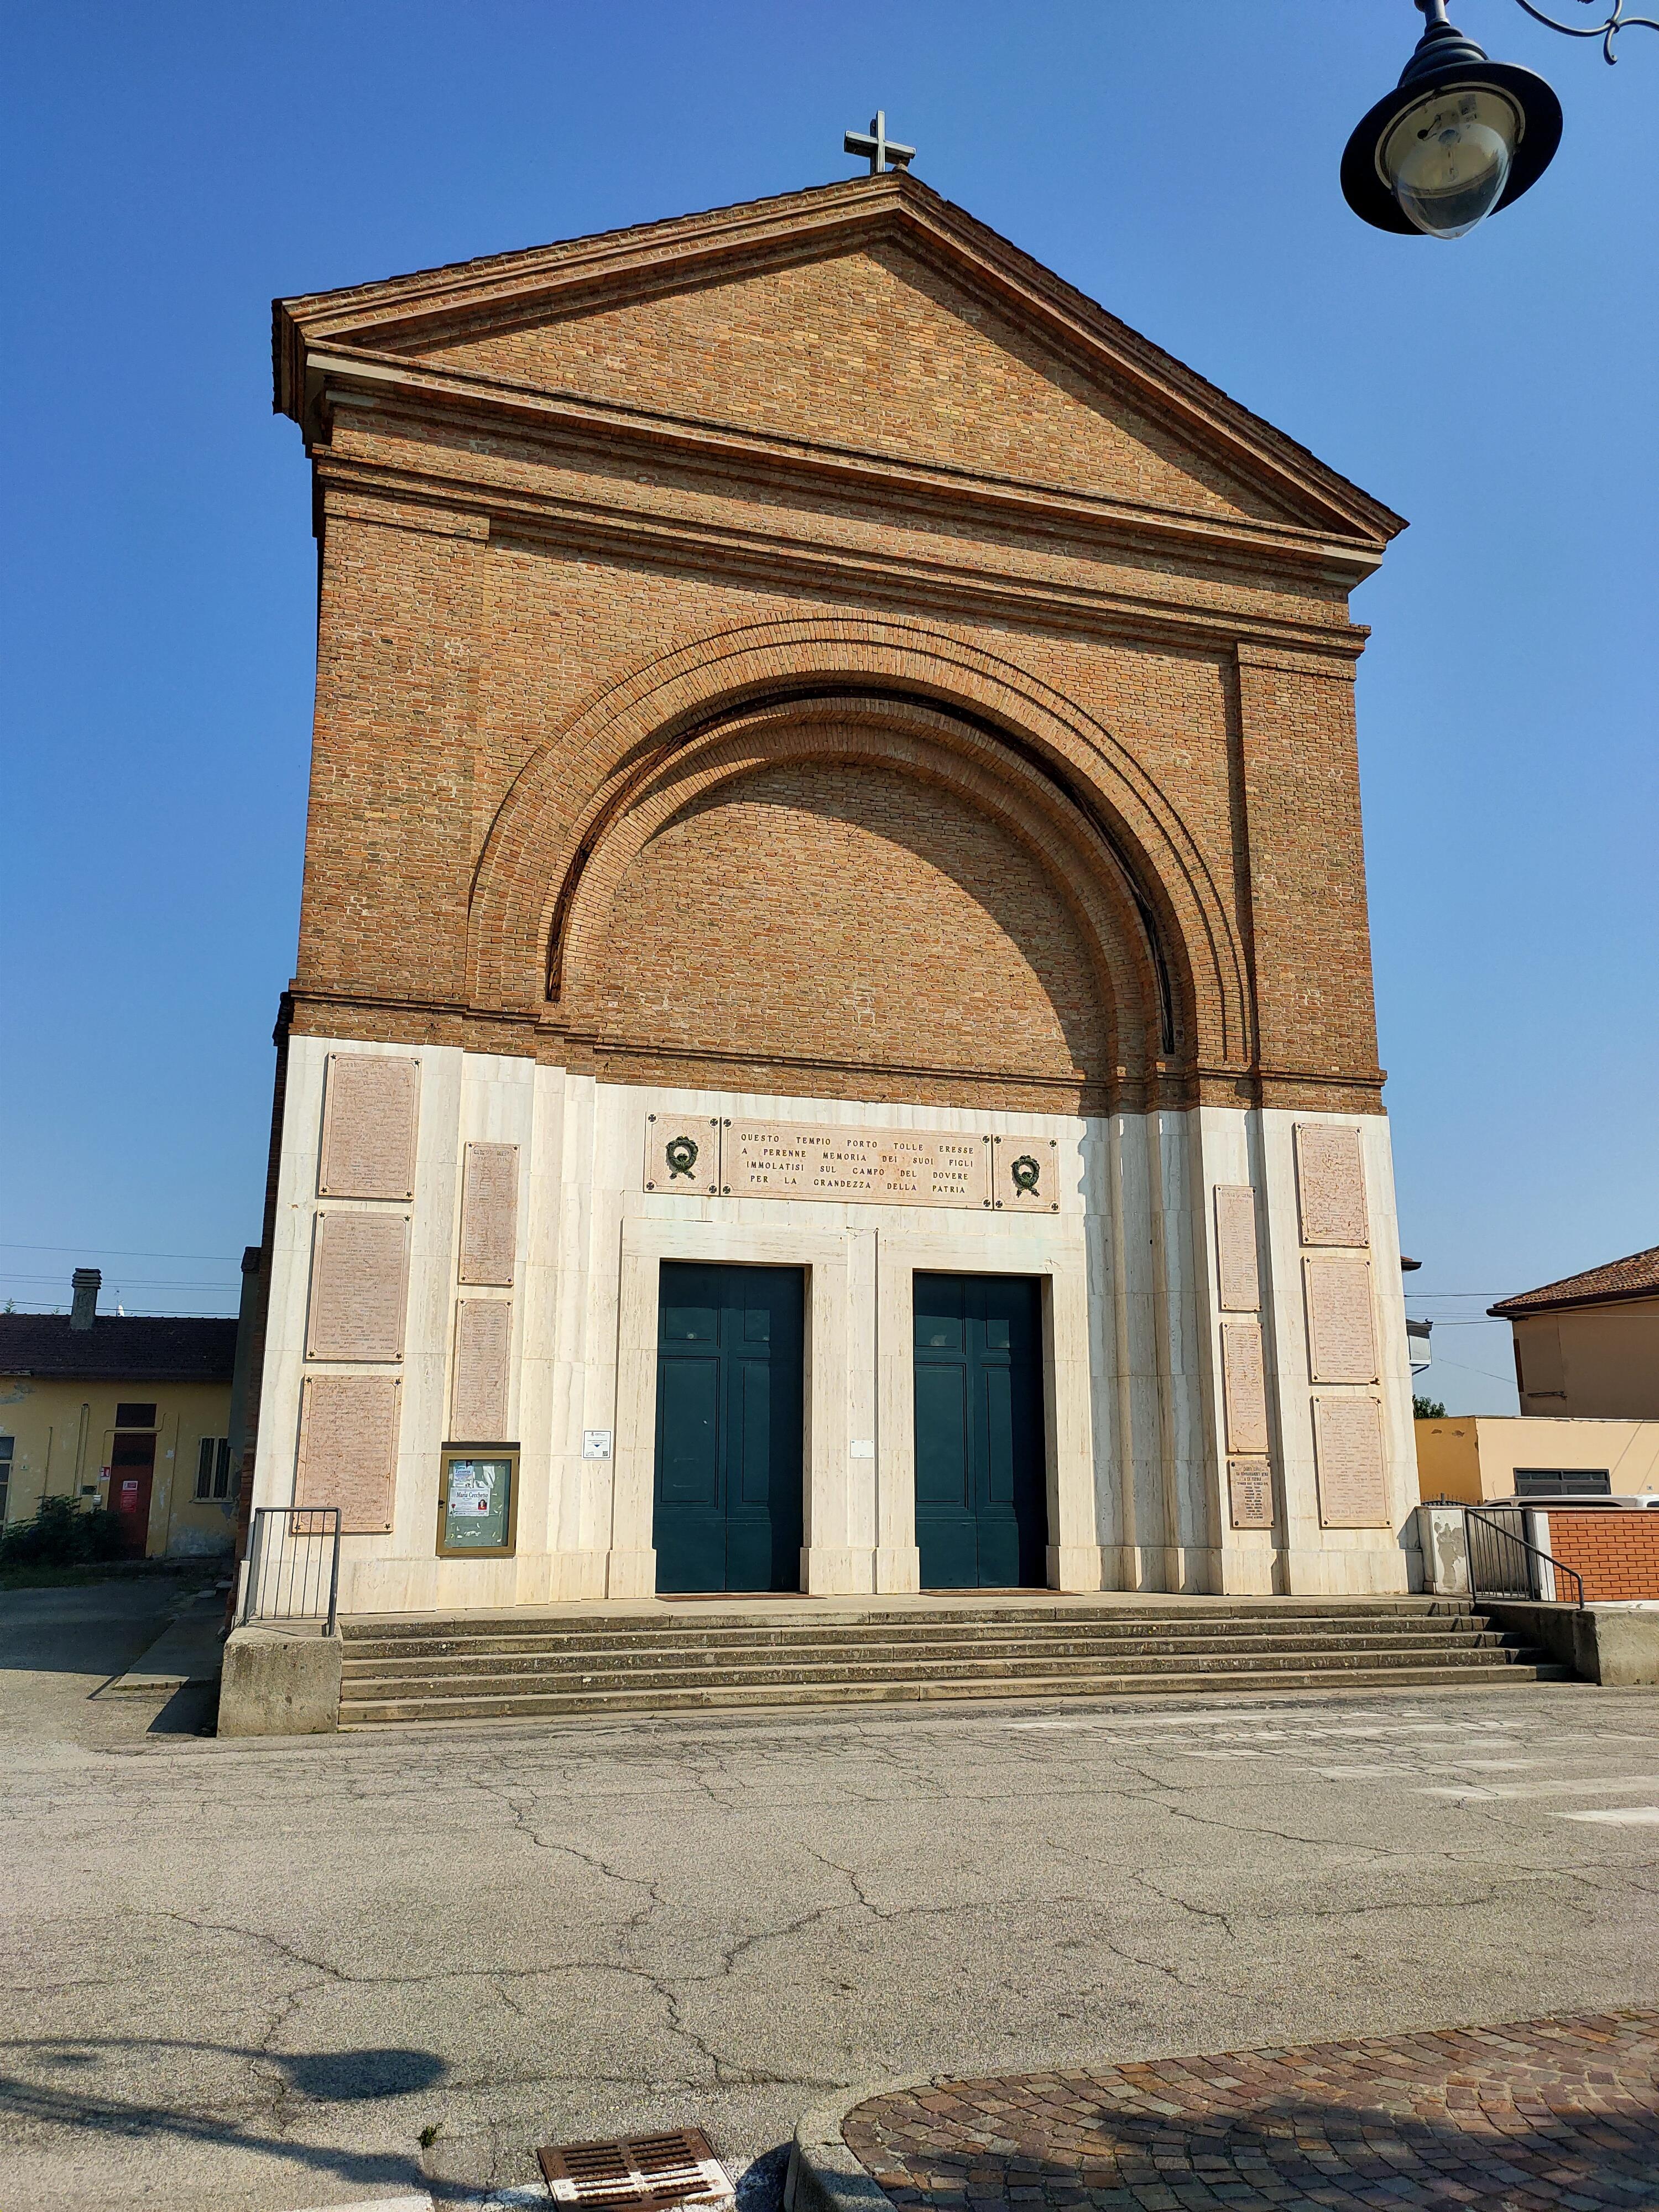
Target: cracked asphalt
(247,1976)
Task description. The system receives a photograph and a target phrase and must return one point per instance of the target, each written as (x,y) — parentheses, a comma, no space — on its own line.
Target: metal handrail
(1473,1512)
(287,1547)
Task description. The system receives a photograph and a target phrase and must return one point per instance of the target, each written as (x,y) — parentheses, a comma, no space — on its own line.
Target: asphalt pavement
(251,1975)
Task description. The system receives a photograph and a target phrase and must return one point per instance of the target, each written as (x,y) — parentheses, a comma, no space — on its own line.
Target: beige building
(1590,1347)
(1476,1456)
(129,1411)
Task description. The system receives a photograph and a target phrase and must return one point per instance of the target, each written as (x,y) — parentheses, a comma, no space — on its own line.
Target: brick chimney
(85,1282)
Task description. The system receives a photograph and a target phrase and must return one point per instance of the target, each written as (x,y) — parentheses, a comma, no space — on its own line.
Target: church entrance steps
(658,1658)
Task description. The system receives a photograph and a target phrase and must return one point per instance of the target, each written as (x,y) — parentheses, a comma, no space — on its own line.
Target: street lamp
(1457,138)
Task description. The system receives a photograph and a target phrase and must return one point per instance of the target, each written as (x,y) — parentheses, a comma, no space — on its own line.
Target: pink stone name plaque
(1250,1493)
(489,1213)
(1341,1331)
(1235,1248)
(1354,1490)
(359,1286)
(1330,1183)
(1244,1387)
(484,1337)
(349,1449)
(868,1167)
(370,1108)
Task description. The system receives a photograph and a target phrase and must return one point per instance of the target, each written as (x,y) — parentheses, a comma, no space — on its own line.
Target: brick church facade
(832,1045)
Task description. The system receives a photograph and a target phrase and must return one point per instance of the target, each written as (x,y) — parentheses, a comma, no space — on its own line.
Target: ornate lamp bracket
(1606,31)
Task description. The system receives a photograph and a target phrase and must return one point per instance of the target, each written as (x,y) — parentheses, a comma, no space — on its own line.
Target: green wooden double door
(727,1510)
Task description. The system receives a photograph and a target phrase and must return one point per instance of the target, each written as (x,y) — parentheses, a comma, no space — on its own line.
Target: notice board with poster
(478,1501)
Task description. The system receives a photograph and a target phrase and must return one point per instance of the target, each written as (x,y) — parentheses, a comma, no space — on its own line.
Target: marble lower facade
(1220,1414)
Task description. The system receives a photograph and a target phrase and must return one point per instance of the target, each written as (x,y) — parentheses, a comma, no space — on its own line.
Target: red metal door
(131,1473)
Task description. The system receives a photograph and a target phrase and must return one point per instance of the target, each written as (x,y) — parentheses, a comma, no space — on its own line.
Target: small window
(134,1417)
(1563,1482)
(213,1467)
(7,1446)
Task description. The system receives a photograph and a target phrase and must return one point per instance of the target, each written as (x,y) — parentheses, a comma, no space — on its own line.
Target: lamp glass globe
(1447,160)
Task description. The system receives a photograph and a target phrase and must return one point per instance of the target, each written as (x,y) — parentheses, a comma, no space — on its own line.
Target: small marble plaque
(873,1167)
(1235,1248)
(370,1108)
(1341,1331)
(477,1398)
(682,1153)
(490,1214)
(349,1449)
(1250,1493)
(1348,1448)
(1330,1183)
(1025,1175)
(359,1286)
(1244,1386)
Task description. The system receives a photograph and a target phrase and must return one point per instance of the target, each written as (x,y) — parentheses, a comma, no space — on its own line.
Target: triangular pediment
(871,317)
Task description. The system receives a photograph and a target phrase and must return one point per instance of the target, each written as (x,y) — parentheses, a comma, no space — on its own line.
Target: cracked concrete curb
(497,2200)
(824,2175)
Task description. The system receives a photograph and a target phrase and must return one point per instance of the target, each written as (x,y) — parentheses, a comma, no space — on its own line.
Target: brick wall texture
(1616,1552)
(808,648)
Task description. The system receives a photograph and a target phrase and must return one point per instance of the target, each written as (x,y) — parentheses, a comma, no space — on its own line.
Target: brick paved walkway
(1536,2114)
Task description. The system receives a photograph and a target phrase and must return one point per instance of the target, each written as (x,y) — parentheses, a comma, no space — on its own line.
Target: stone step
(1328,1665)
(1176,1631)
(1380,1612)
(392,1711)
(440,1659)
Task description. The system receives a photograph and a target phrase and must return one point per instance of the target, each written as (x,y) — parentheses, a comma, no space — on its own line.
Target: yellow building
(1590,1346)
(129,1411)
(1472,1458)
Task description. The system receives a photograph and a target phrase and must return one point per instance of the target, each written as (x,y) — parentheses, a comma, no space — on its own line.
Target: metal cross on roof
(881,151)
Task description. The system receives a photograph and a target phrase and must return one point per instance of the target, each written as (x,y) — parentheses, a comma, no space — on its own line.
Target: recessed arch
(567,799)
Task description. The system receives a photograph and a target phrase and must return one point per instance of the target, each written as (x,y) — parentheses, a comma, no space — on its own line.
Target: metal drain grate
(679,2168)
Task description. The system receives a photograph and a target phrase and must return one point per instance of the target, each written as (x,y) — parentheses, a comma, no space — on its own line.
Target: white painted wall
(1138,1496)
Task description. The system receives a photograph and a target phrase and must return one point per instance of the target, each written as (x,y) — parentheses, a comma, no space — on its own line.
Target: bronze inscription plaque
(1348,1447)
(359,1286)
(489,1213)
(878,1167)
(483,1336)
(369,1113)
(1250,1493)
(1234,1247)
(1341,1334)
(1330,1184)
(1244,1387)
(349,1449)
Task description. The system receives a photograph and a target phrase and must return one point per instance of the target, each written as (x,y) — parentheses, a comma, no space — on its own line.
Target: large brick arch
(1136,861)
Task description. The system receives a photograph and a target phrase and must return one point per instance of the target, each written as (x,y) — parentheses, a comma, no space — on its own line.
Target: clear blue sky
(173,166)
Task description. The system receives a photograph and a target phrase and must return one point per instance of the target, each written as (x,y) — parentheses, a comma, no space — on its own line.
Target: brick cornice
(564,278)
(411,392)
(606,525)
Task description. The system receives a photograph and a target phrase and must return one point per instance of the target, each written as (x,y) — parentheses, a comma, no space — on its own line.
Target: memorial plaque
(1234,1247)
(1330,1184)
(370,1108)
(489,1213)
(1341,1332)
(483,1340)
(1025,1175)
(349,1449)
(1348,1448)
(682,1153)
(359,1286)
(1250,1493)
(875,1167)
(1244,1386)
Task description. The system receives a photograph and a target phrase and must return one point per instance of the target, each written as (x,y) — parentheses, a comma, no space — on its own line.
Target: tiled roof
(1635,1277)
(119,1348)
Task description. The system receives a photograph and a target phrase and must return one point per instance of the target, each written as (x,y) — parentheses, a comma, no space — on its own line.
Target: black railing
(1503,1559)
(293,1564)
